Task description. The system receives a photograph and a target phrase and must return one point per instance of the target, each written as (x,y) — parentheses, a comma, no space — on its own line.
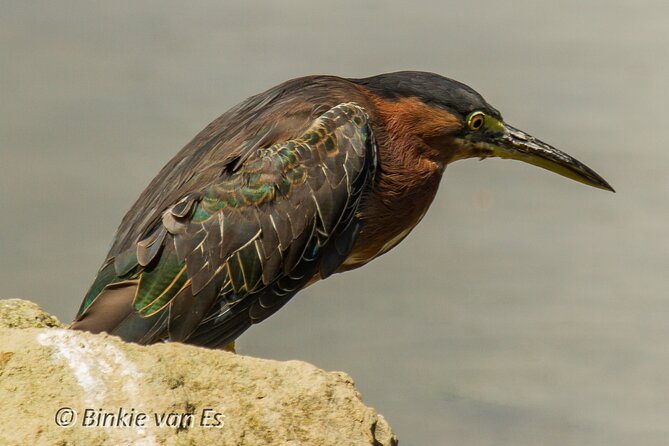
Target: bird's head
(455,122)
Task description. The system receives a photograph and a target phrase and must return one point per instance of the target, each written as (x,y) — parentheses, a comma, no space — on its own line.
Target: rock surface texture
(62,387)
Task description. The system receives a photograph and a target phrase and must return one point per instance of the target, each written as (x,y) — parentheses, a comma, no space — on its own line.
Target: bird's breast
(365,254)
(389,220)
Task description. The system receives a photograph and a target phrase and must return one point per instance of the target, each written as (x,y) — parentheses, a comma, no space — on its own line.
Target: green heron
(315,176)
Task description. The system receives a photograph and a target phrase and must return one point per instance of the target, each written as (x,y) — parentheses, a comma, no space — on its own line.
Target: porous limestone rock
(19,313)
(62,387)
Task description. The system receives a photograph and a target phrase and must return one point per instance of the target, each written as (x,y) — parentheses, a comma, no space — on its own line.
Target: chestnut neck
(407,177)
(406,162)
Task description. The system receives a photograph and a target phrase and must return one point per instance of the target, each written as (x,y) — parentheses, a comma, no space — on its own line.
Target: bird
(315,176)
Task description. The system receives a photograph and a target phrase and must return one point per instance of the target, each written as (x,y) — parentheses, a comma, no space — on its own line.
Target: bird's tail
(112,311)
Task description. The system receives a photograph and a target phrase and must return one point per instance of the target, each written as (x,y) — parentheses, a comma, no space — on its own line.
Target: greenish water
(525,309)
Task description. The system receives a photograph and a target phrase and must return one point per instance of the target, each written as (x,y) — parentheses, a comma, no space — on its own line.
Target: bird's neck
(408,169)
(401,132)
(406,182)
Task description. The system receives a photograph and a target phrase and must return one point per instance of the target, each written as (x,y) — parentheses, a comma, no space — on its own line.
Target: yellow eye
(476,121)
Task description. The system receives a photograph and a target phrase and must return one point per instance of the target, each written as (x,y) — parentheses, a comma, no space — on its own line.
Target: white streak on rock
(93,363)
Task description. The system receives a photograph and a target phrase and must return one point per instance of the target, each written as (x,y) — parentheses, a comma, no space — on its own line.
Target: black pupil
(478,121)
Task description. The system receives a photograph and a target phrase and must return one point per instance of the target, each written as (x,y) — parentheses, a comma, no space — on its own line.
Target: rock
(19,313)
(109,392)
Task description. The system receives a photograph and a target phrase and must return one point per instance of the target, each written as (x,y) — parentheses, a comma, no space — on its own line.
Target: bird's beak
(515,144)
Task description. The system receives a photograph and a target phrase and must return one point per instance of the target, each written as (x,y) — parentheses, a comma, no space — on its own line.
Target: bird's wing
(232,253)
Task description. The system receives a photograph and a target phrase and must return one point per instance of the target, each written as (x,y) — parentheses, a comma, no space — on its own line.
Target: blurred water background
(525,309)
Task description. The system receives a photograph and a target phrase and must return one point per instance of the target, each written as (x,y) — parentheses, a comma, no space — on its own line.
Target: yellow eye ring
(476,121)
